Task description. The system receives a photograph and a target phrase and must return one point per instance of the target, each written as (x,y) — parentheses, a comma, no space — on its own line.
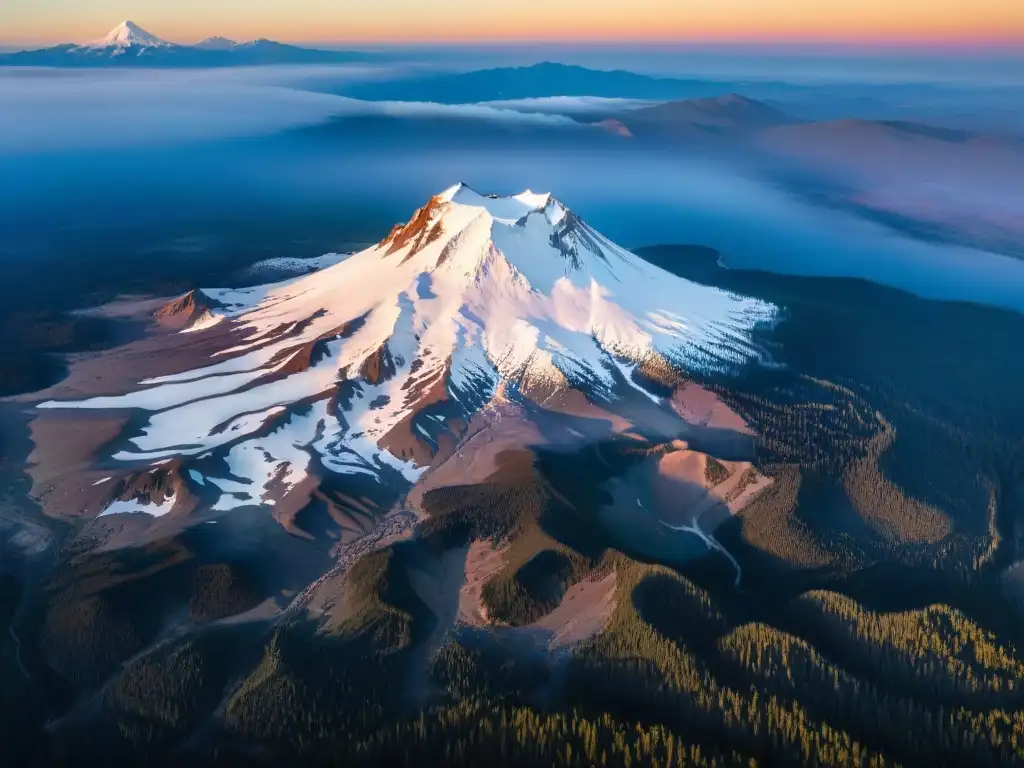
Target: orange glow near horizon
(582,21)
(753,21)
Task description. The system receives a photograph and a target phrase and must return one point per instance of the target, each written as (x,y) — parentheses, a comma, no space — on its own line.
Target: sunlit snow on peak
(127,34)
(476,294)
(507,210)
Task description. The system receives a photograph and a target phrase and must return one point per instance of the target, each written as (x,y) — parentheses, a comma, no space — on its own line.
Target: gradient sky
(918,21)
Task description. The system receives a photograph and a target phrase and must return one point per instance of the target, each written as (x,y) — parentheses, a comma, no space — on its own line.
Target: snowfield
(474,293)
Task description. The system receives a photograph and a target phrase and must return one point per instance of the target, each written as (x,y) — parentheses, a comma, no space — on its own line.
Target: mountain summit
(374,364)
(128,34)
(216,43)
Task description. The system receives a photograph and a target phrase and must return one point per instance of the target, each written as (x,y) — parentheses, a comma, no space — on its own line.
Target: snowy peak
(524,202)
(216,43)
(505,210)
(529,230)
(460,202)
(373,363)
(128,34)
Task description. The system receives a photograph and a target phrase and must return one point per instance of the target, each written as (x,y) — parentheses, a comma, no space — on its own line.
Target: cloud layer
(47,111)
(569,105)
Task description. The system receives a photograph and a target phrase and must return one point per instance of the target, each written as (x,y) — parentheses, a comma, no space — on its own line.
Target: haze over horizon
(892,23)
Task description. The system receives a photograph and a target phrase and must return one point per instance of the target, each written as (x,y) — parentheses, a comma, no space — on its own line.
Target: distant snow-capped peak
(257,42)
(128,34)
(216,43)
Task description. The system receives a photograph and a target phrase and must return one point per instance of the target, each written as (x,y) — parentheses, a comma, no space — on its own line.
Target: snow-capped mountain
(128,45)
(128,34)
(216,43)
(368,367)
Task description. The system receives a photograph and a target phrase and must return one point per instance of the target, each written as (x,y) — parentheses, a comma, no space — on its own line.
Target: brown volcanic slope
(194,307)
(497,449)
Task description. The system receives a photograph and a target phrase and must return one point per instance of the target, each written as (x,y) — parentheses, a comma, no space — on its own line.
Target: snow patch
(293,266)
(122,507)
(206,320)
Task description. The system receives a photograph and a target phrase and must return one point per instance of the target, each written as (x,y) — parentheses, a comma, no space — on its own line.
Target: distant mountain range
(541,80)
(129,45)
